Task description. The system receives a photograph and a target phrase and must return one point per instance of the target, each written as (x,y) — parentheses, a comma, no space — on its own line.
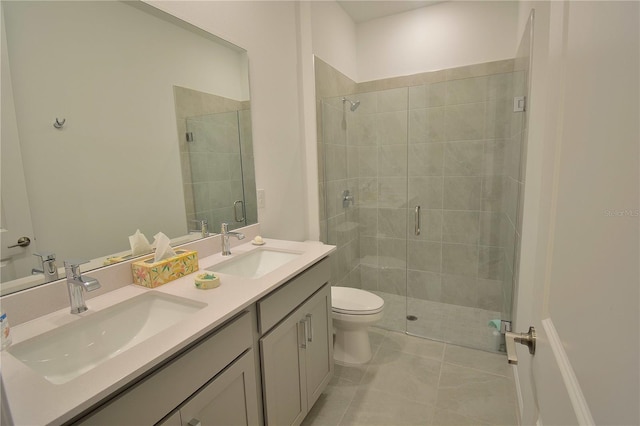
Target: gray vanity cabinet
(214,382)
(297,353)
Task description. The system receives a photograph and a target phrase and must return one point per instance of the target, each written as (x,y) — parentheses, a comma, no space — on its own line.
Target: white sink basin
(67,352)
(256,263)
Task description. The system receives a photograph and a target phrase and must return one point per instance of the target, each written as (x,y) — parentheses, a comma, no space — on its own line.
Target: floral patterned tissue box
(152,274)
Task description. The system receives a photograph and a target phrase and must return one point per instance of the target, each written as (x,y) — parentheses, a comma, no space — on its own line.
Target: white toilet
(354,310)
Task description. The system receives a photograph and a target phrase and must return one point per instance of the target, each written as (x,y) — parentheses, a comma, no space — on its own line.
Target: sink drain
(412,318)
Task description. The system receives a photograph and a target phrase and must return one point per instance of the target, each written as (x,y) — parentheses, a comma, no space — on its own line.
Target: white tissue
(139,244)
(163,247)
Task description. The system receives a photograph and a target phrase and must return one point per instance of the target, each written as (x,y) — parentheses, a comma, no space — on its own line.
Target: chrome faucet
(204,226)
(77,284)
(225,233)
(48,265)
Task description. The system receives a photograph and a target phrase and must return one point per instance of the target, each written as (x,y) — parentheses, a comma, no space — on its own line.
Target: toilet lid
(354,301)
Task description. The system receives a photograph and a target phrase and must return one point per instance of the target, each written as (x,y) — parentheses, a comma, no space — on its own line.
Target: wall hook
(58,124)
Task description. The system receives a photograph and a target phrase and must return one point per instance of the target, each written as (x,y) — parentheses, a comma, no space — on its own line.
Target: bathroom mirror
(98,102)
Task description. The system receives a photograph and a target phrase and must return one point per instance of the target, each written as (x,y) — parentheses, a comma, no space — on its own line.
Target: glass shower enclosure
(419,191)
(218,161)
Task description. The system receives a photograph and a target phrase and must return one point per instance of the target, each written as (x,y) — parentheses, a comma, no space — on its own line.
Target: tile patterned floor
(414,381)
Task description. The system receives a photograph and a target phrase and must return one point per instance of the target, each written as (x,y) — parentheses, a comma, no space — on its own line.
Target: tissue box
(152,274)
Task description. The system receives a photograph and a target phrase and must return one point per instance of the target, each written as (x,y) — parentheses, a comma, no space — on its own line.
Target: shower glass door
(220,157)
(458,130)
(419,201)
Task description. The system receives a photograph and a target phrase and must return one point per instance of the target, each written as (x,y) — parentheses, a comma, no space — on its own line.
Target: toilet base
(351,344)
(352,347)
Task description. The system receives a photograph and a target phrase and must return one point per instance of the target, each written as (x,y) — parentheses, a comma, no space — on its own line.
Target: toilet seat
(353,301)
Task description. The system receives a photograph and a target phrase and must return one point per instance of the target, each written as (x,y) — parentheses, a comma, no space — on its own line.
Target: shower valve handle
(347,198)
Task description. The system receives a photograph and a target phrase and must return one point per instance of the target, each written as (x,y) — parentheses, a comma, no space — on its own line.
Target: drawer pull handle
(310,338)
(194,422)
(303,341)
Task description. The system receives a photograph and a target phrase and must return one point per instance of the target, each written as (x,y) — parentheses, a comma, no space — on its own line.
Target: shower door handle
(417,221)
(235,210)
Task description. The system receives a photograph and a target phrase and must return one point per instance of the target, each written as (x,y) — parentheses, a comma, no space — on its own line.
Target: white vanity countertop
(35,401)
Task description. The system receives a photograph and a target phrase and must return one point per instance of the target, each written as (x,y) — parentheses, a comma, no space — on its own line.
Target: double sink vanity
(255,350)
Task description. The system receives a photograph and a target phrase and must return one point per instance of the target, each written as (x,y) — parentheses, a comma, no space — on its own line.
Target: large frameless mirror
(115,117)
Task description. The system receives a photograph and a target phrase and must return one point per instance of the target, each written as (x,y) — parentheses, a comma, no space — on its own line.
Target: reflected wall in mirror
(108,69)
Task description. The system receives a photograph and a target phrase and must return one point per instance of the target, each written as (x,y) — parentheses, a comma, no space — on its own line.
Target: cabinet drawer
(155,396)
(273,308)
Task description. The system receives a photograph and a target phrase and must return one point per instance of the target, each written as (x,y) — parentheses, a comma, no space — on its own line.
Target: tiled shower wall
(217,166)
(332,173)
(441,140)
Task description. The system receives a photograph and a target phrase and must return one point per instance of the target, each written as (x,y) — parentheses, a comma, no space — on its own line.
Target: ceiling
(361,11)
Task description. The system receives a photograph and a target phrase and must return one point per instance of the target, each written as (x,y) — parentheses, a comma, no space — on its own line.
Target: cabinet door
(284,382)
(319,351)
(229,399)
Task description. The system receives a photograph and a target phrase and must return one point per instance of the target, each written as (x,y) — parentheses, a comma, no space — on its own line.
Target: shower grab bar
(417,221)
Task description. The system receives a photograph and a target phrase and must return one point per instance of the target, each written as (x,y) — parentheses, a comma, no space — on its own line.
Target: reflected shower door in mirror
(89,148)
(216,151)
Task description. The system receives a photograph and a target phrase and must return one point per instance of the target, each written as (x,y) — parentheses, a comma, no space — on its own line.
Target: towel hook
(58,124)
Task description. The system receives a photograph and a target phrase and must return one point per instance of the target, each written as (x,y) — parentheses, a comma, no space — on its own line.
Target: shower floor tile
(414,381)
(460,325)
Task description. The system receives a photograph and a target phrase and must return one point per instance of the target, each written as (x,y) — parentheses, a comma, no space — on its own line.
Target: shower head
(354,104)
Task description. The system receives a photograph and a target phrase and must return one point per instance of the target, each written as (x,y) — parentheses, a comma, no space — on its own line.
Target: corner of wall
(306,81)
